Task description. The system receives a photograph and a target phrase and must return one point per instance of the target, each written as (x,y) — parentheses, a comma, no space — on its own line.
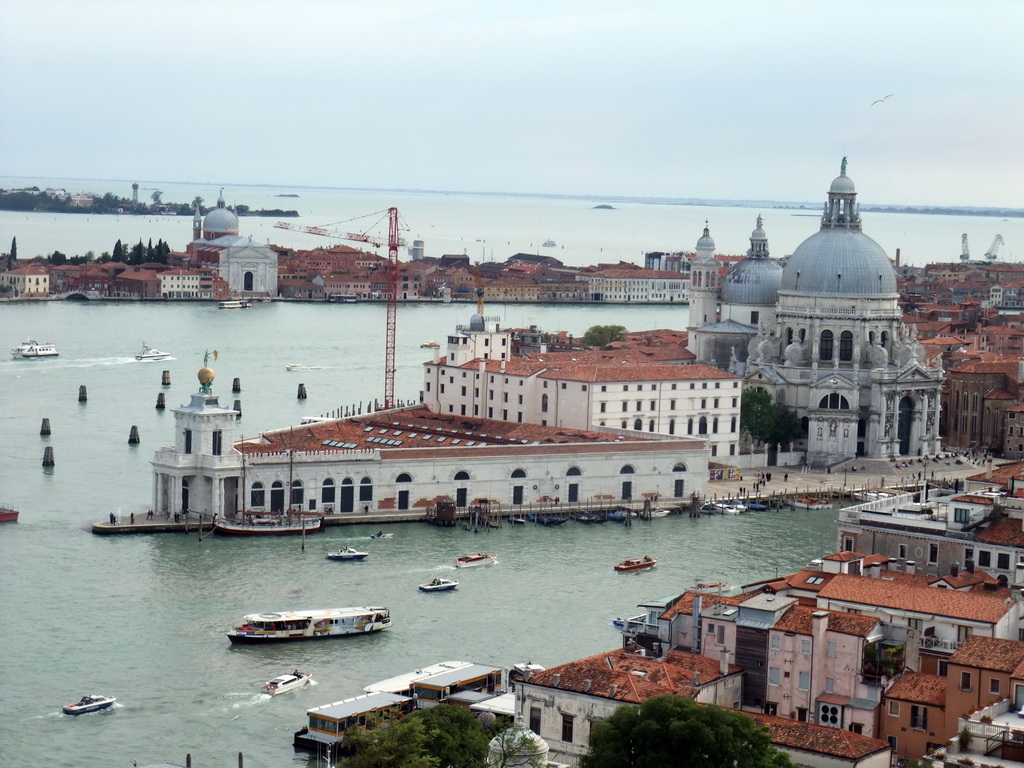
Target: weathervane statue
(206,374)
(842,167)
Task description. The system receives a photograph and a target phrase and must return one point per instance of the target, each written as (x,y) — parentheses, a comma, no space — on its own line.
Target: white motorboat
(94,703)
(549,243)
(147,353)
(439,585)
(470,561)
(349,553)
(261,628)
(301,367)
(32,349)
(285,683)
(660,512)
(269,525)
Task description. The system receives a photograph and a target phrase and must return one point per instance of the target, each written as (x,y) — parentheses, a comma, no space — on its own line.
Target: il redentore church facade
(830,345)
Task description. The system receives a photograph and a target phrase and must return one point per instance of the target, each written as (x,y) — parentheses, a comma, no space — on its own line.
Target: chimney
(954,568)
(612,690)
(897,258)
(969,566)
(910,567)
(556,679)
(1020,371)
(724,667)
(586,686)
(875,571)
(696,679)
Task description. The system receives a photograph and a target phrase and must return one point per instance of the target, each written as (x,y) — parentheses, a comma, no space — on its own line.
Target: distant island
(292,194)
(36,200)
(604,207)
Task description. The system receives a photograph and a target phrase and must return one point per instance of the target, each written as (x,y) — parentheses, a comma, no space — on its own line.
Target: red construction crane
(390,287)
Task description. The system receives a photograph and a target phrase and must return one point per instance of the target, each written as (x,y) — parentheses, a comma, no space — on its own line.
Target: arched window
(714,425)
(627,470)
(689,426)
(702,425)
(573,472)
(366,489)
(650,425)
(671,426)
(732,424)
(679,468)
(638,425)
(846,346)
(327,493)
(297,494)
(462,475)
(834,401)
(518,473)
(678,483)
(625,425)
(256,497)
(825,347)
(405,477)
(544,403)
(789,336)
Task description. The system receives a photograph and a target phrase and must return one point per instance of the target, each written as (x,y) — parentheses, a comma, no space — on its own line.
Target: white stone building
(249,268)
(636,286)
(615,390)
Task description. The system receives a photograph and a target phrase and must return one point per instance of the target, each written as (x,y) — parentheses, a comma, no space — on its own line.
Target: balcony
(929,643)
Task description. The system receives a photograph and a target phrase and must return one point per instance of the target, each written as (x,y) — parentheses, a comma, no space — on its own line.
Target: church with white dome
(822,334)
(248,267)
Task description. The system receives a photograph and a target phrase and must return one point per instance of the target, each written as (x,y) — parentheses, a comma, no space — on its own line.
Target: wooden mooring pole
(44,430)
(48,460)
(83,396)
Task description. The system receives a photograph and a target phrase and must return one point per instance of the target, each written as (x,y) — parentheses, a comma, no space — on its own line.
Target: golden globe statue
(206,374)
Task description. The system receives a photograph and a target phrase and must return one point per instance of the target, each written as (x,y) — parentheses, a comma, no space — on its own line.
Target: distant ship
(549,243)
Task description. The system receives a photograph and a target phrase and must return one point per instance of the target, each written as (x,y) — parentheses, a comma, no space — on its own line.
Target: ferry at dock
(260,628)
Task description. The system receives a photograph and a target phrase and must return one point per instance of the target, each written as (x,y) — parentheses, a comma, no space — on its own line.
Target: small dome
(752,281)
(839,262)
(220,221)
(758,233)
(477,323)
(706,242)
(842,185)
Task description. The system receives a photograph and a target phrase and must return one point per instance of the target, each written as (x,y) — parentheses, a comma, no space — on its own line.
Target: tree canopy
(603,335)
(765,420)
(669,731)
(453,736)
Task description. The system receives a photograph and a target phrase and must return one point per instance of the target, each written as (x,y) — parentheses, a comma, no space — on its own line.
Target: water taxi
(349,553)
(260,628)
(147,354)
(636,564)
(470,561)
(439,585)
(285,683)
(31,349)
(94,703)
(235,304)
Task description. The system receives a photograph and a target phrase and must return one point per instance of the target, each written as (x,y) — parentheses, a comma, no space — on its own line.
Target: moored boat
(8,515)
(235,304)
(810,502)
(585,517)
(619,515)
(31,349)
(147,354)
(272,525)
(470,561)
(545,519)
(439,585)
(655,513)
(289,682)
(260,628)
(94,703)
(349,553)
(636,564)
(517,520)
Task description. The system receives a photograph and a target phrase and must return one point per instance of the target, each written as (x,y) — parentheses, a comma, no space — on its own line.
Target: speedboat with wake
(439,585)
(285,683)
(94,703)
(148,354)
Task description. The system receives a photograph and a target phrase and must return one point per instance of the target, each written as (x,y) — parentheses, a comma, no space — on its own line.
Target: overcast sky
(689,98)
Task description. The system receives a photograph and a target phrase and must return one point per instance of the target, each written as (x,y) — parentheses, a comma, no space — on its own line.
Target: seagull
(879,101)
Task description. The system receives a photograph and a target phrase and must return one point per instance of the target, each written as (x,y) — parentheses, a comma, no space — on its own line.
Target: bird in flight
(879,101)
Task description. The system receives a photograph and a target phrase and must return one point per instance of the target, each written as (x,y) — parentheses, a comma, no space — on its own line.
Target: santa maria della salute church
(822,334)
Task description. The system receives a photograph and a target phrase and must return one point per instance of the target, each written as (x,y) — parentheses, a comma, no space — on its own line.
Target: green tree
(155,197)
(197,202)
(603,335)
(14,247)
(118,254)
(757,413)
(512,744)
(453,735)
(58,259)
(391,744)
(669,731)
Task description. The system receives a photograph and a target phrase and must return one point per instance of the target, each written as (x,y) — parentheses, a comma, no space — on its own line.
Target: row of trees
(140,253)
(663,732)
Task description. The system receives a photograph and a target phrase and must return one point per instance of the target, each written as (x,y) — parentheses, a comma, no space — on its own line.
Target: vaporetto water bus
(258,628)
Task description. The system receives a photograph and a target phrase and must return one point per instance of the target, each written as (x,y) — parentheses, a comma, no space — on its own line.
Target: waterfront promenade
(786,482)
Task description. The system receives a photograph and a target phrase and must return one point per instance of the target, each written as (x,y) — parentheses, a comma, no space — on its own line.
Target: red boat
(8,515)
(637,564)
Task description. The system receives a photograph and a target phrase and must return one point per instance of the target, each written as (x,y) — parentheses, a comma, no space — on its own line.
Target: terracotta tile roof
(823,739)
(684,606)
(1001,474)
(636,678)
(971,498)
(919,688)
(999,394)
(843,557)
(989,653)
(1006,531)
(993,364)
(417,428)
(800,619)
(986,606)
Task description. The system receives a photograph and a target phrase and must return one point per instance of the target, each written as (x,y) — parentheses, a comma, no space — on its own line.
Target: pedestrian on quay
(113,520)
(785,478)
(366,509)
(133,518)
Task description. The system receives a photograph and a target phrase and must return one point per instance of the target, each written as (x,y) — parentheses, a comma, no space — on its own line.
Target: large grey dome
(220,221)
(839,262)
(752,281)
